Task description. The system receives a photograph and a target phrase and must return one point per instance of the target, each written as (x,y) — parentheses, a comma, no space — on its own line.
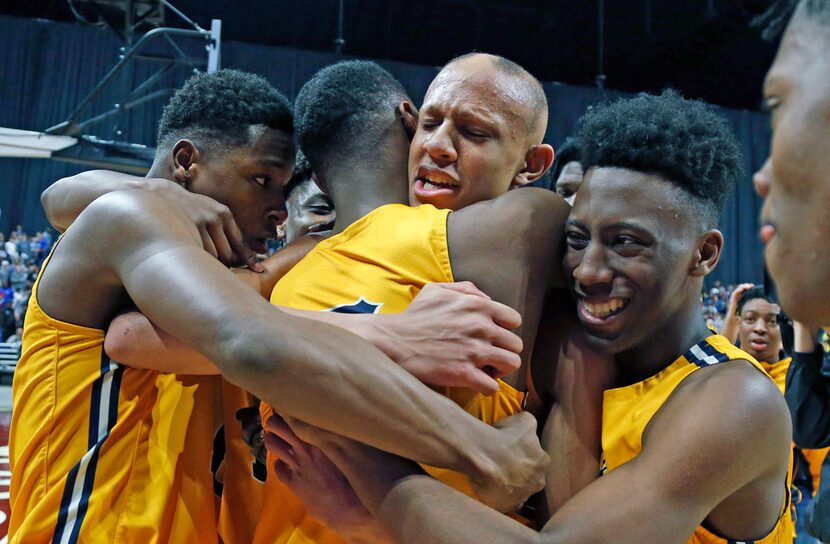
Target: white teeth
(604,309)
(436,184)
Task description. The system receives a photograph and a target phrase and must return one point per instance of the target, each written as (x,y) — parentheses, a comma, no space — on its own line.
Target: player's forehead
(476,85)
(268,150)
(804,43)
(612,195)
(760,307)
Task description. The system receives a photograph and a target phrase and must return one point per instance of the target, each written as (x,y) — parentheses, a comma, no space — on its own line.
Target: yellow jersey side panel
(377,265)
(97,448)
(241,491)
(627,411)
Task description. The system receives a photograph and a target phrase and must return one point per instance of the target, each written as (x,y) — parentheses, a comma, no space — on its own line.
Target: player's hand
(732,310)
(454,335)
(519,465)
(252,432)
(322,487)
(221,236)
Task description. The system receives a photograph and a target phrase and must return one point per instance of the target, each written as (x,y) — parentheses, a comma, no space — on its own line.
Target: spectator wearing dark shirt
(808,397)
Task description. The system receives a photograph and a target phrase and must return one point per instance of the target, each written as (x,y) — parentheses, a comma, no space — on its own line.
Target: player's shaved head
(512,85)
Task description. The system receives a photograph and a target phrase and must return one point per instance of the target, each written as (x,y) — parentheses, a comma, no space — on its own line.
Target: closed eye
(576,240)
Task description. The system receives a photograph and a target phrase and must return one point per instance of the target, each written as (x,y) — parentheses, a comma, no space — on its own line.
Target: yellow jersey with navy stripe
(376,265)
(627,411)
(101,452)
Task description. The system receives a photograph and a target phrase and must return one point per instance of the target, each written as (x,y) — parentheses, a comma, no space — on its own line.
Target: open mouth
(758,345)
(601,311)
(432,185)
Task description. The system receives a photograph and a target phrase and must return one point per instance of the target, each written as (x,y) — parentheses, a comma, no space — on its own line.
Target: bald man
(479,134)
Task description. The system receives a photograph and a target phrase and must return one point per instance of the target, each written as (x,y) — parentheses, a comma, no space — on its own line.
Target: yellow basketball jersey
(242,485)
(101,452)
(377,265)
(778,371)
(626,411)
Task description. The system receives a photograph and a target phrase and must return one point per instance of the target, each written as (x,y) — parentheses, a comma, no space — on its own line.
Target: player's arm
(808,391)
(695,456)
(65,199)
(474,342)
(313,372)
(511,248)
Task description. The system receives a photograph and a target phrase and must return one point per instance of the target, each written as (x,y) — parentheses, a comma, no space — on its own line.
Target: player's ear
(537,161)
(408,115)
(185,158)
(707,254)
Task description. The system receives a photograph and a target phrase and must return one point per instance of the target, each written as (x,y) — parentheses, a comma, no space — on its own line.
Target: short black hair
(514,69)
(751,294)
(569,151)
(302,174)
(223,110)
(341,111)
(683,141)
(775,18)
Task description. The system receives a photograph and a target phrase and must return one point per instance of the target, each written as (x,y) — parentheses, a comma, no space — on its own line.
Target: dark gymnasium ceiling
(705,48)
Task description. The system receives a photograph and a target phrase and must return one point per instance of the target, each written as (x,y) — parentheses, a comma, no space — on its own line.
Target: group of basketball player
(457,316)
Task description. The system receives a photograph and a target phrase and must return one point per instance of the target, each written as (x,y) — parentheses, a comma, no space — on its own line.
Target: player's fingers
(505,339)
(220,242)
(498,362)
(281,449)
(283,471)
(478,380)
(207,243)
(243,253)
(503,315)
(282,429)
(466,287)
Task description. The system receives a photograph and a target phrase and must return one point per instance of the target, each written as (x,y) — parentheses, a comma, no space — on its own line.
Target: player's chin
(603,341)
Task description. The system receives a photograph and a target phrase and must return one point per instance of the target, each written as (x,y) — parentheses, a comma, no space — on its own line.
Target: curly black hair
(342,109)
(219,110)
(751,294)
(302,174)
(683,141)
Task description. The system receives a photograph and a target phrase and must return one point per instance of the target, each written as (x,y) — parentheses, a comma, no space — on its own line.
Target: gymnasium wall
(47,67)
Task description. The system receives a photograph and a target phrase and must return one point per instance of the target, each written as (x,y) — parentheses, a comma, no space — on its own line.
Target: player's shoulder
(123,204)
(527,213)
(132,210)
(734,396)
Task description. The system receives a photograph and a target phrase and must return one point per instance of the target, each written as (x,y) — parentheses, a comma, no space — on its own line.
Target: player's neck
(357,193)
(159,170)
(662,347)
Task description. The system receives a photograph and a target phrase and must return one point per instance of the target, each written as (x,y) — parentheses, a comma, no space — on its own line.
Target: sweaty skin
(88,306)
(744,462)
